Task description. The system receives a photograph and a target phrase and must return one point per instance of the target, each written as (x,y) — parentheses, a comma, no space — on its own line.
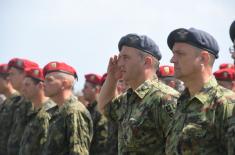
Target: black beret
(141,42)
(232,31)
(194,37)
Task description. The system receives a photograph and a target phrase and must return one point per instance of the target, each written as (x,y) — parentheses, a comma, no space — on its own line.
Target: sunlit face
(16,77)
(226,84)
(131,63)
(29,88)
(89,92)
(53,85)
(186,61)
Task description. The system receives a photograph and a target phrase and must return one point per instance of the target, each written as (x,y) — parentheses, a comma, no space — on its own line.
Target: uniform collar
(143,89)
(205,93)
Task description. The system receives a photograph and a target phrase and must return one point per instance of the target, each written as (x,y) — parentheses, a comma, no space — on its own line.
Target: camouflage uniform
(6,119)
(36,131)
(201,122)
(99,140)
(112,142)
(70,130)
(20,119)
(143,116)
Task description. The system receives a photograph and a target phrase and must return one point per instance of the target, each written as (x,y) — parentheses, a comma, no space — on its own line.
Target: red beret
(35,73)
(4,69)
(21,63)
(103,78)
(226,65)
(226,74)
(165,71)
(93,78)
(59,67)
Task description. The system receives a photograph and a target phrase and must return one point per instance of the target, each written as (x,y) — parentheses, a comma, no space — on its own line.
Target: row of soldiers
(42,116)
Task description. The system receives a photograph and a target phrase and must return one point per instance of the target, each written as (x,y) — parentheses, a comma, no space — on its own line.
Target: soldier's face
(29,88)
(131,64)
(53,85)
(186,61)
(16,77)
(89,92)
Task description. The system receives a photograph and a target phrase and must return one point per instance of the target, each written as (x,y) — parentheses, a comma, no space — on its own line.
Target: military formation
(138,107)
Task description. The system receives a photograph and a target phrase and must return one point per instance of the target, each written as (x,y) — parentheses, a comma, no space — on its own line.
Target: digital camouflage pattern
(100,131)
(70,130)
(23,108)
(35,134)
(143,116)
(112,142)
(7,109)
(201,123)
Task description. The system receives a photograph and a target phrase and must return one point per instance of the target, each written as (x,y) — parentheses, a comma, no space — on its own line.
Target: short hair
(155,61)
(68,77)
(212,57)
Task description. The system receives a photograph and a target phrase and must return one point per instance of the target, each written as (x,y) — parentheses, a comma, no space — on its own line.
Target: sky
(85,33)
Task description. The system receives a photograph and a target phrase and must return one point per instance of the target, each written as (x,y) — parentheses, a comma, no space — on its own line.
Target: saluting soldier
(145,110)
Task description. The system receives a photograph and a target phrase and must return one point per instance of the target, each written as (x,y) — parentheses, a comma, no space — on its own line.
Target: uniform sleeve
(78,134)
(165,111)
(100,134)
(113,109)
(231,132)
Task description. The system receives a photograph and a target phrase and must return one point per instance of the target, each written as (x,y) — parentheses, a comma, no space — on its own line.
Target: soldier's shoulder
(163,89)
(76,107)
(225,95)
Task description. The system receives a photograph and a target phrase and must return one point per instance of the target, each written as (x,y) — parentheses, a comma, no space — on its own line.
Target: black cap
(194,37)
(232,31)
(141,42)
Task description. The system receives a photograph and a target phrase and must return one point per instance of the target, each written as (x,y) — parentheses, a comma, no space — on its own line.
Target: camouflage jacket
(7,109)
(143,116)
(112,142)
(36,131)
(20,119)
(201,122)
(70,130)
(99,140)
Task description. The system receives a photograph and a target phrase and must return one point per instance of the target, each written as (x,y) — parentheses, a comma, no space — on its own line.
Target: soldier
(91,91)
(35,132)
(144,111)
(225,77)
(203,122)
(21,108)
(166,75)
(6,113)
(71,129)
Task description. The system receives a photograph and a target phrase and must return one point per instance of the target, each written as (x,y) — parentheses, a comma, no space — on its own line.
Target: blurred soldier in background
(166,75)
(21,108)
(35,133)
(6,113)
(91,91)
(225,77)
